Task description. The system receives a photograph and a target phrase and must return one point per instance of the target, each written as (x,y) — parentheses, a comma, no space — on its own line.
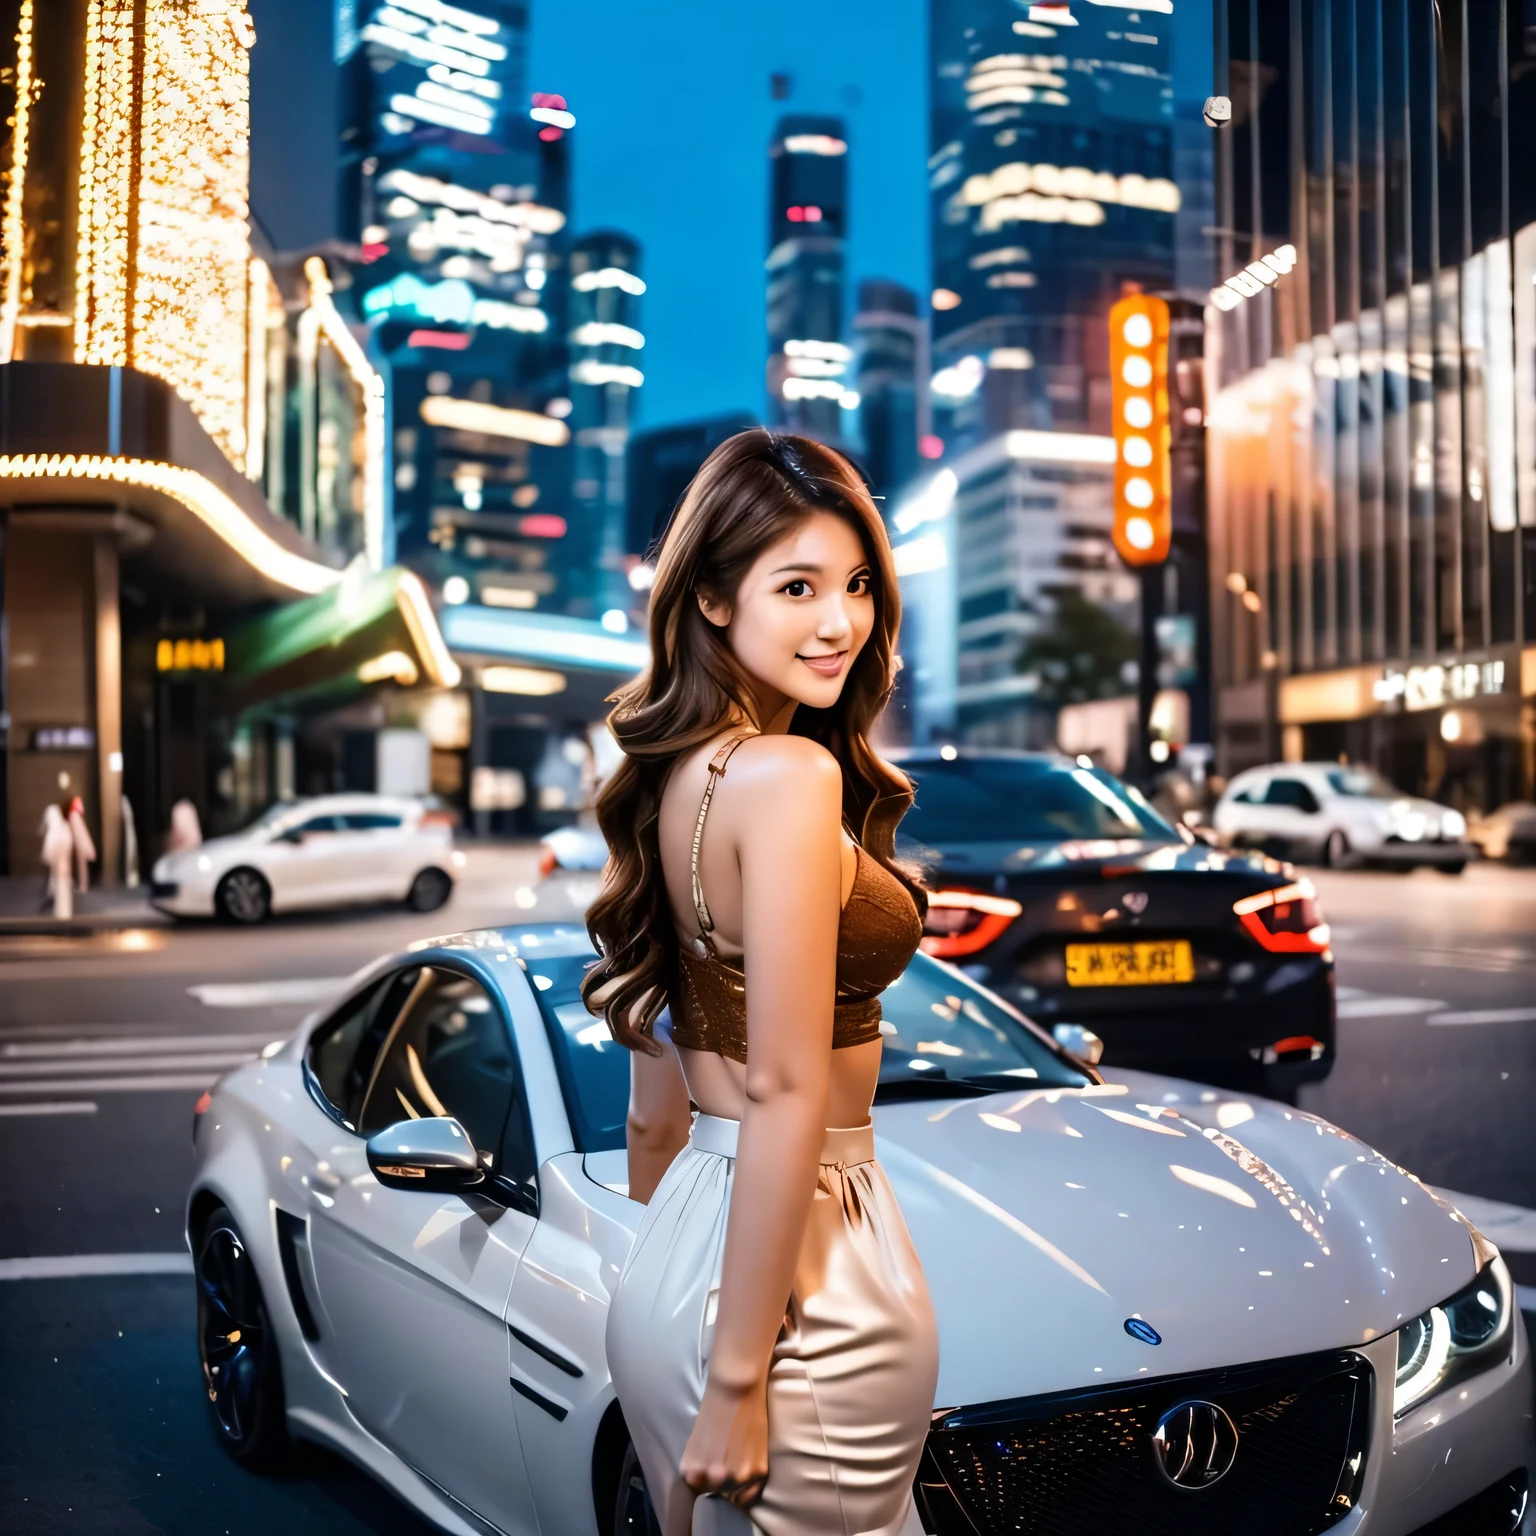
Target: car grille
(1081,1464)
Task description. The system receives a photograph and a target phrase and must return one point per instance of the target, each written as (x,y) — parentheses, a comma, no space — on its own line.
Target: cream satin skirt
(850,1389)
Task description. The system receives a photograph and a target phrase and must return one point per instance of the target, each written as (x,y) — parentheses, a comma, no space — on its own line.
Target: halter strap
(703,944)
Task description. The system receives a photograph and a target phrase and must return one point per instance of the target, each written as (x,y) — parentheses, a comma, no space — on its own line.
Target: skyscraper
(890,371)
(1372,437)
(456,190)
(807,226)
(1051,176)
(606,350)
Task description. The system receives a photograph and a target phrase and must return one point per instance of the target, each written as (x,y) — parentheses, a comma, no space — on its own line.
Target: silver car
(1161,1308)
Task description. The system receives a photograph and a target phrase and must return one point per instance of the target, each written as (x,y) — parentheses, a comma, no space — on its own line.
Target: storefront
(1461,732)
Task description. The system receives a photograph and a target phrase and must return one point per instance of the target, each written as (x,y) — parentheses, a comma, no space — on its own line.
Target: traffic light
(1138,360)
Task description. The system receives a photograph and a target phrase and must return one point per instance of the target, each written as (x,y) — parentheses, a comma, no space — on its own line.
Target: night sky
(673,117)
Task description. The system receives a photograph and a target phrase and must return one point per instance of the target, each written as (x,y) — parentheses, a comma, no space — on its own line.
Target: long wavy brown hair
(751,491)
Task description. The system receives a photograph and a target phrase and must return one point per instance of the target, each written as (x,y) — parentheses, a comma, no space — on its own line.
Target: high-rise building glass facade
(890,373)
(607,353)
(1051,184)
(455,188)
(1372,442)
(808,374)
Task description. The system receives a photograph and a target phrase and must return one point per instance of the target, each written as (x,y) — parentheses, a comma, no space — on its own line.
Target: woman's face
(802,614)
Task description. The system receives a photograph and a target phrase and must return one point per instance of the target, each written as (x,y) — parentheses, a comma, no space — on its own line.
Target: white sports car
(1161,1308)
(324,852)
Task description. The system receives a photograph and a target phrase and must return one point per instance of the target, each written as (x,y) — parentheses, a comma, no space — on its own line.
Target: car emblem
(1143,1331)
(1195,1445)
(1136,901)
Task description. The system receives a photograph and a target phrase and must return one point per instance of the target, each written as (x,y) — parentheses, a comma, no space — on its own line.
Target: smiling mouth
(828,666)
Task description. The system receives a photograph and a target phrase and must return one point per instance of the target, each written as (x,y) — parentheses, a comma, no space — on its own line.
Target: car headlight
(1458,1338)
(1453,824)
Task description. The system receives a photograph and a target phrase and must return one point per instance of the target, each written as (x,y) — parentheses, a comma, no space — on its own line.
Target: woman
(771,1339)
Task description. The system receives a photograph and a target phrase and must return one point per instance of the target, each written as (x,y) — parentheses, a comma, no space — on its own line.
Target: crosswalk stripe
(56,1107)
(142,1045)
(1373,1006)
(182,1062)
(169,1082)
(73,1266)
(257,994)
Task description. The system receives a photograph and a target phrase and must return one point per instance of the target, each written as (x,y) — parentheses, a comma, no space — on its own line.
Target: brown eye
(859,586)
(796,588)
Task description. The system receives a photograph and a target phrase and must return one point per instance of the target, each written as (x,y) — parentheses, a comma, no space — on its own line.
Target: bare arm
(785,813)
(659,1118)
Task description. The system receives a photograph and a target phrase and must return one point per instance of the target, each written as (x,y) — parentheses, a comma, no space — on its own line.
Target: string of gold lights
(199,495)
(13,228)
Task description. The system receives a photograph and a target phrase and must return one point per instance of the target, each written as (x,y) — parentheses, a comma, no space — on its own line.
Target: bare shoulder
(775,768)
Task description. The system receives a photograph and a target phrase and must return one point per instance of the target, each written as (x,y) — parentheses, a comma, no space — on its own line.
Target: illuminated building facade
(454,188)
(890,376)
(143,356)
(1371,352)
(808,361)
(1051,184)
(606,372)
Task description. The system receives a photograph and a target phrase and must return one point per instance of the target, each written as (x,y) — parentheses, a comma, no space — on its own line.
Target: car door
(379,851)
(1295,811)
(412,1287)
(302,862)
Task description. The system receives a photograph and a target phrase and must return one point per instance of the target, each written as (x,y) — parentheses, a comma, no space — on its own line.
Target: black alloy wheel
(633,1514)
(429,890)
(241,1371)
(243,896)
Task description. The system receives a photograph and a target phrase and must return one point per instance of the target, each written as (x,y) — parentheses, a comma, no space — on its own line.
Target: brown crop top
(877,935)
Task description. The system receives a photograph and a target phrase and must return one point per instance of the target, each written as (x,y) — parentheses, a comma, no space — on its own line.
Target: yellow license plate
(1156,963)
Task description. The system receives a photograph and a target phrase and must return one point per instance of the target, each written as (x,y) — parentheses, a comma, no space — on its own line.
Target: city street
(106,1041)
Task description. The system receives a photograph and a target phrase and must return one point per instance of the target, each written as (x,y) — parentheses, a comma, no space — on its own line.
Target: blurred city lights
(456,590)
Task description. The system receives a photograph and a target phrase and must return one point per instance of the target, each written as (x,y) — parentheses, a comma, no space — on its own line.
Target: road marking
(132,1045)
(1370,1005)
(267,994)
(211,1061)
(170,1082)
(75,1266)
(64,1107)
(1487,1016)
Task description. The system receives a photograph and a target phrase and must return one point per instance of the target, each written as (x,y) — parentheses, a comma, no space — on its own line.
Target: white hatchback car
(1340,815)
(324,852)
(407,1222)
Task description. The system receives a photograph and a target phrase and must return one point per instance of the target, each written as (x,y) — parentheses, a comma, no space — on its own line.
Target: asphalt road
(106,1042)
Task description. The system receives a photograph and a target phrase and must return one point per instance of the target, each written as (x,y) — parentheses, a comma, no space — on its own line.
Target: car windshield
(271,817)
(1363,783)
(952,1038)
(1024,800)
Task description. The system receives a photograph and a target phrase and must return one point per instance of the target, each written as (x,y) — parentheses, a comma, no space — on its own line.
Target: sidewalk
(24,909)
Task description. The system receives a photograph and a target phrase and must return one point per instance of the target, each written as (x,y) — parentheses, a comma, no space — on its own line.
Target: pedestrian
(186,829)
(85,848)
(58,854)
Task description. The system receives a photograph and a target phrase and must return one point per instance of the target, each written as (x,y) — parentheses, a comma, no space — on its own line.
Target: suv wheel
(241,1371)
(243,896)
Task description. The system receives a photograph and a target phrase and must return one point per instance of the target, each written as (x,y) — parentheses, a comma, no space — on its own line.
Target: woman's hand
(727,1453)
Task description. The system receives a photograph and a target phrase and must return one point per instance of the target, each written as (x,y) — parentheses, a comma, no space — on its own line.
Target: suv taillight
(1286,920)
(964,922)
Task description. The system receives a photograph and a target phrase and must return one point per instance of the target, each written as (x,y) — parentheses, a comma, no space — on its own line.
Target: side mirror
(1076,1040)
(435,1155)
(294,835)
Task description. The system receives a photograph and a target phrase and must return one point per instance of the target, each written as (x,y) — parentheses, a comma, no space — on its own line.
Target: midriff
(718,1085)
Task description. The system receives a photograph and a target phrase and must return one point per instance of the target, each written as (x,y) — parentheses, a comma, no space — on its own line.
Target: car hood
(1129,856)
(1240,1230)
